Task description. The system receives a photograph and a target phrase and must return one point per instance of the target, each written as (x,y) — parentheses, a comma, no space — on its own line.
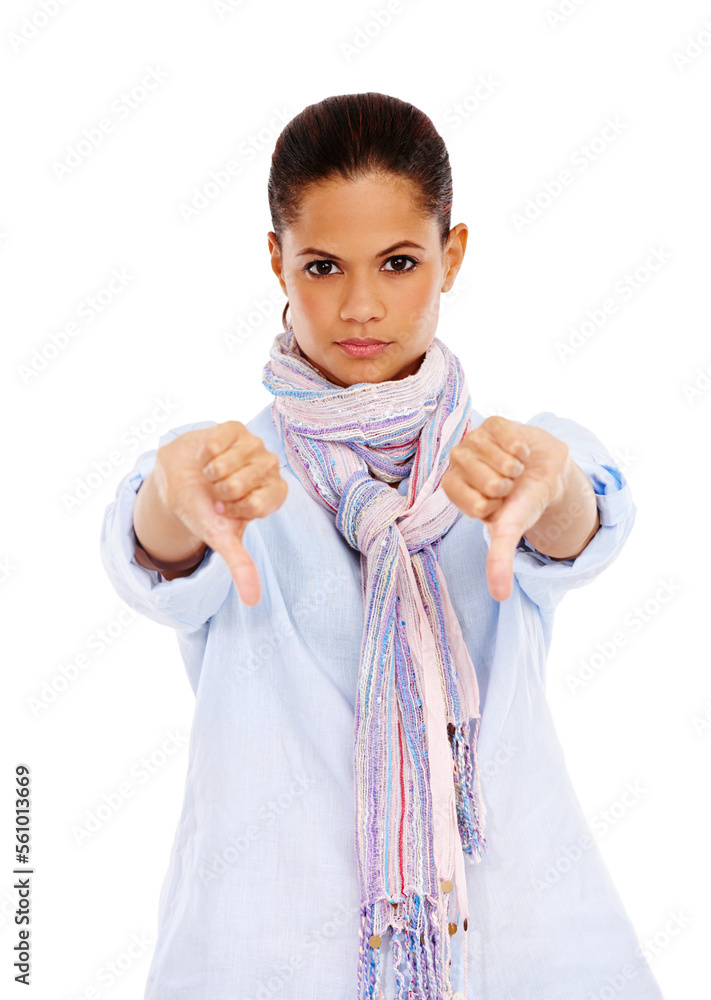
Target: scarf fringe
(467,786)
(419,925)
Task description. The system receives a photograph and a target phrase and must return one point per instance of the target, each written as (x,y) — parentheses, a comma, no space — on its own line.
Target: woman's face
(362,263)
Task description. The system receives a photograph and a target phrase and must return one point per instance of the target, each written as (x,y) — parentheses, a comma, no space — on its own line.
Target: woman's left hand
(485,479)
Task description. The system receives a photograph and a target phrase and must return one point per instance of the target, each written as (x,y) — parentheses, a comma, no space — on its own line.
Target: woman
(362,580)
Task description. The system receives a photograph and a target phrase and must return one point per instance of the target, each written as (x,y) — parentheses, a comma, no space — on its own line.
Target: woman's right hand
(226,463)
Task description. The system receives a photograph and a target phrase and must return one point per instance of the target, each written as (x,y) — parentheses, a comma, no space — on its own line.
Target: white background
(232,80)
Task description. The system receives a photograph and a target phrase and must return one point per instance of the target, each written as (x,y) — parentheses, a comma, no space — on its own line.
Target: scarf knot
(367,510)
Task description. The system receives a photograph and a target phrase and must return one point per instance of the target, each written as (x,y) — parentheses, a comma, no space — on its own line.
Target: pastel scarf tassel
(417,792)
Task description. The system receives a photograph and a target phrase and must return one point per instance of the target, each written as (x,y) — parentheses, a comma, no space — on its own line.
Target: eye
(403,270)
(311,263)
(331,263)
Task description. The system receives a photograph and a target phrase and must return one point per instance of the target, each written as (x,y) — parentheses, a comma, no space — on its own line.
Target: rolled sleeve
(544,579)
(184,603)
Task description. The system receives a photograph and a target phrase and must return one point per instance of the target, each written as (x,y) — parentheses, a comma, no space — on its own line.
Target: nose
(361,301)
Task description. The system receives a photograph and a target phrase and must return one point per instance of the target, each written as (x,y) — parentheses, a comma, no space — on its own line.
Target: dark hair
(351,135)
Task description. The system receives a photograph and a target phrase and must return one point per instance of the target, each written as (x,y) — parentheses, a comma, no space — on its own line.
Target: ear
(454,254)
(277,261)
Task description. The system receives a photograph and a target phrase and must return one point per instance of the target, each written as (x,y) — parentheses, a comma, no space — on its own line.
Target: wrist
(567,525)
(163,542)
(175,566)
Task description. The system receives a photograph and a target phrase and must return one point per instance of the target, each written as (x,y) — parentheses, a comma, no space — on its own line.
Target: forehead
(360,215)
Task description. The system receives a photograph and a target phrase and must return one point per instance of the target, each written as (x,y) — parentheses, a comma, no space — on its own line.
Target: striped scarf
(417,793)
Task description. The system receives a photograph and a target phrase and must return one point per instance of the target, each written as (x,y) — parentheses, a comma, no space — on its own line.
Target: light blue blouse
(261,896)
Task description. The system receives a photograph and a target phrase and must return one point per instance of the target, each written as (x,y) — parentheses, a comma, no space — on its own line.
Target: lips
(364,342)
(365,348)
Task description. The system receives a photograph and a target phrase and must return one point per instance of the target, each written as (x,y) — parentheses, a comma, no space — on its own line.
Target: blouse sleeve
(544,579)
(184,603)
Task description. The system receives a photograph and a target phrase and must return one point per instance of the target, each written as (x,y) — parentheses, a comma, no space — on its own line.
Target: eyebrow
(332,256)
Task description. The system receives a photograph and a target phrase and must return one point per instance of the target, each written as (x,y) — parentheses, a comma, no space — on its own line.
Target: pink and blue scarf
(418,800)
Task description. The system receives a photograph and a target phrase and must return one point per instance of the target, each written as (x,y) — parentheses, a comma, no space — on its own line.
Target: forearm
(171,548)
(566,527)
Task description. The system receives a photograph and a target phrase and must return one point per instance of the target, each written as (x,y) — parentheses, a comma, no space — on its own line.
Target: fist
(216,480)
(506,474)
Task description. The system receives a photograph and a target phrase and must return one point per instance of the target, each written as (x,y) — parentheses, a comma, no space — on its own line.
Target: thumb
(241,565)
(499,564)
(224,535)
(519,511)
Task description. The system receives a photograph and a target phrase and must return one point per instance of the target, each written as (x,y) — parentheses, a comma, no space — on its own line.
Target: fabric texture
(260,897)
(417,791)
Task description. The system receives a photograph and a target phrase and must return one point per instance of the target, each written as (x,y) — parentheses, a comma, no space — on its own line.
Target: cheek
(307,298)
(421,302)
(423,286)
